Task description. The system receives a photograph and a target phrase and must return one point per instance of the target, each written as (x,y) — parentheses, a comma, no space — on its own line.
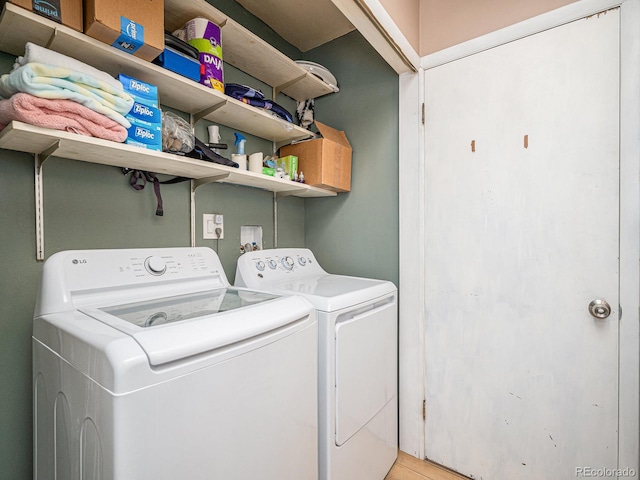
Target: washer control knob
(288,263)
(302,261)
(155,265)
(272,264)
(260,265)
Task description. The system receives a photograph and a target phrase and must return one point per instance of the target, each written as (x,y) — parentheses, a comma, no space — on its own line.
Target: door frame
(412,198)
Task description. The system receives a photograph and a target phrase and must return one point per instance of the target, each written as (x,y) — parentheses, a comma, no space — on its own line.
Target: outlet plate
(212,226)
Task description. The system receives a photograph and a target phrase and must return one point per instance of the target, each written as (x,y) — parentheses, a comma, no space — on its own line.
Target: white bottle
(214,136)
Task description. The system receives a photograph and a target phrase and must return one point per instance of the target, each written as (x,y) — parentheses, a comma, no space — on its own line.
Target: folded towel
(59,115)
(47,81)
(36,54)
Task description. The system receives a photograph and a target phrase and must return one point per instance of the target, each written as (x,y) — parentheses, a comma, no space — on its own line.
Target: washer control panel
(104,268)
(277,264)
(77,277)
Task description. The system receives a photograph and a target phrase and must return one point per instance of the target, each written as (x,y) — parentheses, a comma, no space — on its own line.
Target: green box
(290,165)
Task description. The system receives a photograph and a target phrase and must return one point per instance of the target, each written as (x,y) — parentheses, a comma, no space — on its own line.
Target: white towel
(47,81)
(36,54)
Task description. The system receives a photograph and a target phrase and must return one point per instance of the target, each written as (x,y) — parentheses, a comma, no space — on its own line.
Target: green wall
(357,232)
(92,206)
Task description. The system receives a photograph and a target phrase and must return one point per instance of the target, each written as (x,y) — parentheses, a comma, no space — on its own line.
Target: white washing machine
(357,323)
(148,366)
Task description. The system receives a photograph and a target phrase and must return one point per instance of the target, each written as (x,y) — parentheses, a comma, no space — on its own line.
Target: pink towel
(60,114)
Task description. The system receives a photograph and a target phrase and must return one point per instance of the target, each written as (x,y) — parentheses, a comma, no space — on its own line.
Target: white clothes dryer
(147,365)
(358,335)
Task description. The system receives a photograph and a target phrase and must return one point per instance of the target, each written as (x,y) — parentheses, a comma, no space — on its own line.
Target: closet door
(522,182)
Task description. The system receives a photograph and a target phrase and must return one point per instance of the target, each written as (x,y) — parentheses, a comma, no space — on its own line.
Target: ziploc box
(145,116)
(142,92)
(134,26)
(143,133)
(149,137)
(140,112)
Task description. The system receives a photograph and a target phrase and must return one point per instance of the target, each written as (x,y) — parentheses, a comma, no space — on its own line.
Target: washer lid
(329,293)
(173,328)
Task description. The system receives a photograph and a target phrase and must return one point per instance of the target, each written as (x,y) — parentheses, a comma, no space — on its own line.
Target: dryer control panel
(277,264)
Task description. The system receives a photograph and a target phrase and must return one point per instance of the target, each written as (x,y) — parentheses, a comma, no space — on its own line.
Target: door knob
(599,308)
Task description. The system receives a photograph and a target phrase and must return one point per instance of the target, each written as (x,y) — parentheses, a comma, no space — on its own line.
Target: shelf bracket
(195,183)
(198,182)
(287,193)
(51,38)
(48,152)
(39,159)
(279,88)
(196,117)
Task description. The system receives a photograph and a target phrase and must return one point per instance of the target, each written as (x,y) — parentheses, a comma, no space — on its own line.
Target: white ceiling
(305,24)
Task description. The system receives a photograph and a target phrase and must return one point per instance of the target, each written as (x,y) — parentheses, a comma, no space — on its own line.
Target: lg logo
(81,261)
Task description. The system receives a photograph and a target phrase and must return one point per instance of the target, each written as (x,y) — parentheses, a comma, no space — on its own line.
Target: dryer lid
(173,328)
(330,293)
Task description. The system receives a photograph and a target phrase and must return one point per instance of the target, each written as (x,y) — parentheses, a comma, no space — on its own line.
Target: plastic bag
(177,134)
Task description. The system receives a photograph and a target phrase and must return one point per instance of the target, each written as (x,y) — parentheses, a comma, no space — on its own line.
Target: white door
(522,189)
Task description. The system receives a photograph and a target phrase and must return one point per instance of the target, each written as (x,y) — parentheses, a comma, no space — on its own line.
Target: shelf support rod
(277,196)
(195,183)
(275,220)
(196,117)
(39,159)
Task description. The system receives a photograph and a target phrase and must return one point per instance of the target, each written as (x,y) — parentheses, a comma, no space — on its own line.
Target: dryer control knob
(260,265)
(155,265)
(302,261)
(288,263)
(273,264)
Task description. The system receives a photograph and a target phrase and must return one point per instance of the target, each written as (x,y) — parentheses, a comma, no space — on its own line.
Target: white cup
(255,162)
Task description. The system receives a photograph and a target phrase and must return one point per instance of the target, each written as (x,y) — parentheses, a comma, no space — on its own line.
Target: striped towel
(36,54)
(47,81)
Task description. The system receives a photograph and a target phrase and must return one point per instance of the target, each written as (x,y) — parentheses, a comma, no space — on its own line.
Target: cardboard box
(325,162)
(67,12)
(134,26)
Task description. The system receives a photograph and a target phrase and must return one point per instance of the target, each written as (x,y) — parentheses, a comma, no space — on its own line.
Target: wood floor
(411,468)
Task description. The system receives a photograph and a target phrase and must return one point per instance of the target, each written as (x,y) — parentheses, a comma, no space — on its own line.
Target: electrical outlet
(212,226)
